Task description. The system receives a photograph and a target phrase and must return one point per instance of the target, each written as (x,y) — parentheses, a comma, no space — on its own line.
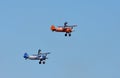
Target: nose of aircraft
(53,28)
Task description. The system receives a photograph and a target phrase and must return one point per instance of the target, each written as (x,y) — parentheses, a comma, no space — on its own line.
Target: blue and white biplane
(40,56)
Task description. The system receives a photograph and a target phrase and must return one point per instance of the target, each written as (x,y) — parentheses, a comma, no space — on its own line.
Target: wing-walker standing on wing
(68,29)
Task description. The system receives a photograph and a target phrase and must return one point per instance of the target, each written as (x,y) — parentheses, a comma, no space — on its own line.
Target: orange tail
(53,28)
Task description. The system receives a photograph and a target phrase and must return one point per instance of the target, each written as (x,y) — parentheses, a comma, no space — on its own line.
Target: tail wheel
(66,34)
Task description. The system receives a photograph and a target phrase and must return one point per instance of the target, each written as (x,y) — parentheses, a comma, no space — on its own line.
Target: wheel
(43,62)
(66,34)
(69,34)
(40,62)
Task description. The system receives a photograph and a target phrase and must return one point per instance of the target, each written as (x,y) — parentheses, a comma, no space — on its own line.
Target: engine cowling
(53,28)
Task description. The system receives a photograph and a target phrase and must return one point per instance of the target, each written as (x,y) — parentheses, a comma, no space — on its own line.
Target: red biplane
(66,28)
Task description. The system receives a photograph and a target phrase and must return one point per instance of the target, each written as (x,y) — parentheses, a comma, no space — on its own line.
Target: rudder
(26,55)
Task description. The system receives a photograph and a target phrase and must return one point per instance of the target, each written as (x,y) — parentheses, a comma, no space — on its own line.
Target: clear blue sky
(93,50)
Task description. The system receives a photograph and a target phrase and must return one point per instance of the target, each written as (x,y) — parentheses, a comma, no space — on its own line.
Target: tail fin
(26,55)
(53,28)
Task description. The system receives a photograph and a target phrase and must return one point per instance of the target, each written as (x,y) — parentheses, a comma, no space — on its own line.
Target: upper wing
(68,26)
(60,26)
(71,26)
(46,53)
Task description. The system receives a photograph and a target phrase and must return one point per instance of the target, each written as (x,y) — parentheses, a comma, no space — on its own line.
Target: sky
(93,50)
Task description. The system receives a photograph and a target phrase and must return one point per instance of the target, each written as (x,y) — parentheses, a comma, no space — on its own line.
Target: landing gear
(66,34)
(69,34)
(40,62)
